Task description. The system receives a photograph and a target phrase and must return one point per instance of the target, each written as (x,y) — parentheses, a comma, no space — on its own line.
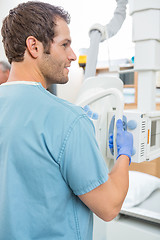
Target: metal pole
(95,38)
(147,90)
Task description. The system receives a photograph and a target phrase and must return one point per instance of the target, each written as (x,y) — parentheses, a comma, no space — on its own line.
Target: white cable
(119,16)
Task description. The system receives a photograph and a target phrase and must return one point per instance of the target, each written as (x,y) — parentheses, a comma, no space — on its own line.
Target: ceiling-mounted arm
(98,33)
(110,29)
(119,16)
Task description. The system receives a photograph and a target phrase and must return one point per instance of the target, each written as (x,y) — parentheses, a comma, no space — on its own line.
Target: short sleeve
(82,164)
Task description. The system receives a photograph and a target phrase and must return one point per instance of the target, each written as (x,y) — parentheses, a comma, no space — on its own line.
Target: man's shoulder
(67,108)
(61,107)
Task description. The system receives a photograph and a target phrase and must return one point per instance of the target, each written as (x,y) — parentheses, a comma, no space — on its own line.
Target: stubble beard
(56,78)
(53,76)
(53,73)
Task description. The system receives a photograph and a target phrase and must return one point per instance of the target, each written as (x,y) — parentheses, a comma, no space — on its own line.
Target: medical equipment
(142,221)
(103,95)
(145,123)
(98,33)
(145,128)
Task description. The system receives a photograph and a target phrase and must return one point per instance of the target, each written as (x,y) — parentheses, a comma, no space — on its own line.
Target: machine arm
(99,33)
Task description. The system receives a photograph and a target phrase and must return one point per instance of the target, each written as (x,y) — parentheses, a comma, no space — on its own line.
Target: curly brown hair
(36,19)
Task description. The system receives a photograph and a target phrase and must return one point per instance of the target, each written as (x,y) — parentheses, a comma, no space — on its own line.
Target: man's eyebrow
(67,40)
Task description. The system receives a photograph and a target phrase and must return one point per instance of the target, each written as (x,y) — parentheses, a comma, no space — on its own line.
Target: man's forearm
(119,180)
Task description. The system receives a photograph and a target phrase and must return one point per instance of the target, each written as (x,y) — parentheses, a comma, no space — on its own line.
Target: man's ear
(32,46)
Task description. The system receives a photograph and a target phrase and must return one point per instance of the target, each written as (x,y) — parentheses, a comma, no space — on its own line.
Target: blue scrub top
(48,156)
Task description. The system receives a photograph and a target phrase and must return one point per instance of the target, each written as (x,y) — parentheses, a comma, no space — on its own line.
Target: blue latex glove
(111,144)
(124,141)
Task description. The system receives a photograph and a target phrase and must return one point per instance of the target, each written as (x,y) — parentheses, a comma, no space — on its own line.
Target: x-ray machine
(104,96)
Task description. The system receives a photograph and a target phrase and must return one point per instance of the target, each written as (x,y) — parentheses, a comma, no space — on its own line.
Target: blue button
(95,116)
(132,124)
(86,108)
(89,114)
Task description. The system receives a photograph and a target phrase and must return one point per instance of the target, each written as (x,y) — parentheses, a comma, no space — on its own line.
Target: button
(132,124)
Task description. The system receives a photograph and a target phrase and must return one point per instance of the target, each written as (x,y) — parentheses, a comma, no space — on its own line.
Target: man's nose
(72,55)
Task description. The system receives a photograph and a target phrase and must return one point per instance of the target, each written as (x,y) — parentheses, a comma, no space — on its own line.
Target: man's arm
(106,200)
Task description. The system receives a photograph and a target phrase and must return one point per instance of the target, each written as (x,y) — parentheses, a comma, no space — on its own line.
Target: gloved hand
(124,141)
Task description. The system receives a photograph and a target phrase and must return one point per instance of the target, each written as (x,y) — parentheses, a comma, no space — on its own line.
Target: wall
(152,167)
(5,5)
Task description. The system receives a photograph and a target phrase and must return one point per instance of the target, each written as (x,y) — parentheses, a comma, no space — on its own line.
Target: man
(52,174)
(4,71)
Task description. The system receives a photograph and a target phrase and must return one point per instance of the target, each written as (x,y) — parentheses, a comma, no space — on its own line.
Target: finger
(110,146)
(111,139)
(119,125)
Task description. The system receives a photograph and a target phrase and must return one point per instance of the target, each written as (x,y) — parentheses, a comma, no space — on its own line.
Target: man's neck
(21,71)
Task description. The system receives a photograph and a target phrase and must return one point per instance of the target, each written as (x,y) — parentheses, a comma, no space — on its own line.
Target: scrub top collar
(21,82)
